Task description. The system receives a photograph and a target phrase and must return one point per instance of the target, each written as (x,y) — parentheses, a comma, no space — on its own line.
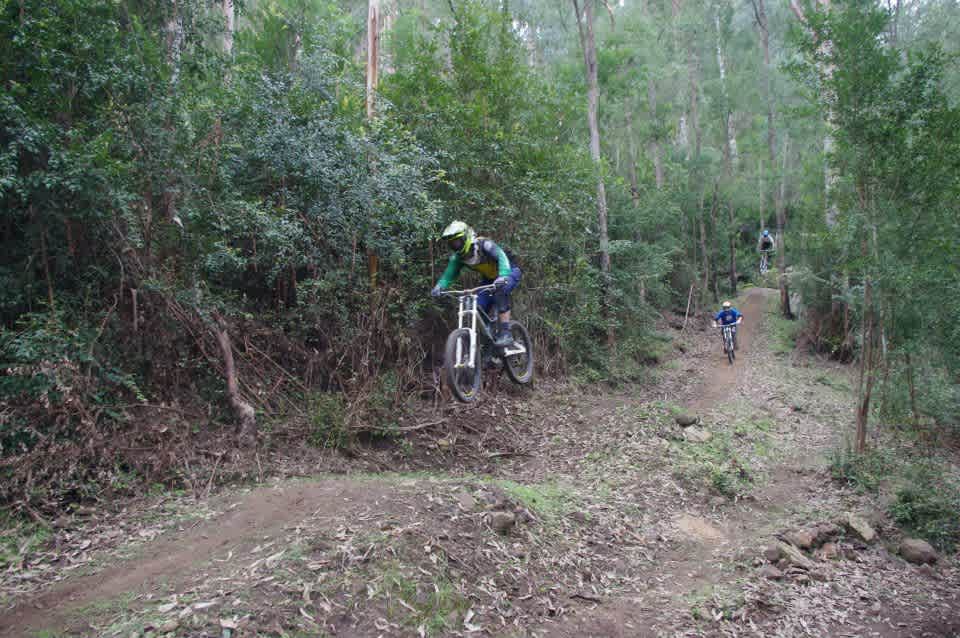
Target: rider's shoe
(504,336)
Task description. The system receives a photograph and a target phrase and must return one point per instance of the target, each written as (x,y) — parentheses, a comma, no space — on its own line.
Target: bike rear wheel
(519,366)
(463,375)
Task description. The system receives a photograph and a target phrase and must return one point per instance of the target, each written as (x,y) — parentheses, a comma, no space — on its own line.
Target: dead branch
(242,410)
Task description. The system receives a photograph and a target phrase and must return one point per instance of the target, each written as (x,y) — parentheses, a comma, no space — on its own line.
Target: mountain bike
(465,356)
(764,261)
(729,340)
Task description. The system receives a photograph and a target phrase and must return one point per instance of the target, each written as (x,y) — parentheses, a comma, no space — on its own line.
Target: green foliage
(429,605)
(865,471)
(327,420)
(717,464)
(925,495)
(928,505)
(783,331)
(18,539)
(549,500)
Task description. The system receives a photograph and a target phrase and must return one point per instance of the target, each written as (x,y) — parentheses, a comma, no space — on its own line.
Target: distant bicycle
(764,261)
(465,357)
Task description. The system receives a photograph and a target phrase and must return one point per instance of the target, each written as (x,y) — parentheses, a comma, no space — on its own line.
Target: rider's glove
(437,291)
(501,282)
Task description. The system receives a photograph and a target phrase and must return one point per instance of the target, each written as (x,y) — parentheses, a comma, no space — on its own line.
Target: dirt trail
(178,556)
(720,380)
(695,563)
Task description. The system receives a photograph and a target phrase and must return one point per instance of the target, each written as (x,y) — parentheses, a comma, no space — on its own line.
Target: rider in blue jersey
(728,315)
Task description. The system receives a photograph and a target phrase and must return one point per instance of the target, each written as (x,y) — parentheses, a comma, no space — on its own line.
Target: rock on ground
(917,551)
(861,528)
(502,522)
(802,538)
(770,572)
(697,435)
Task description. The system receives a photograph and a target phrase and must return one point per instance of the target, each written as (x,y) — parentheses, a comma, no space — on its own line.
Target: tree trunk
(656,152)
(734,234)
(762,208)
(703,245)
(632,159)
(243,411)
(760,13)
(373,52)
(729,142)
(714,210)
(655,148)
(767,90)
(373,57)
(695,100)
(866,368)
(588,44)
(913,392)
(229,18)
(174,28)
(826,71)
(781,225)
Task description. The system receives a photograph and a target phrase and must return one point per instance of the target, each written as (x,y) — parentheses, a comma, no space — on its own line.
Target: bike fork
(467,306)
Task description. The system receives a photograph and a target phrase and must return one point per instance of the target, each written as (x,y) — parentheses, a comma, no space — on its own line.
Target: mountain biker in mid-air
(766,241)
(494,265)
(729,315)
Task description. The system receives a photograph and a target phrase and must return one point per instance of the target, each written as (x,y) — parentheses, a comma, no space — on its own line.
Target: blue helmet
(766,233)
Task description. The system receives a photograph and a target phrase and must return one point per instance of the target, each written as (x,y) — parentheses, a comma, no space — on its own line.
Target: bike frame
(728,335)
(467,317)
(765,259)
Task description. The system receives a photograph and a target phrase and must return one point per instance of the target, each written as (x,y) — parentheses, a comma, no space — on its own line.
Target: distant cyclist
(766,241)
(494,265)
(728,315)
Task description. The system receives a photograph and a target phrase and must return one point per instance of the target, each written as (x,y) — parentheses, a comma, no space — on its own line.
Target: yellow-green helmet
(459,237)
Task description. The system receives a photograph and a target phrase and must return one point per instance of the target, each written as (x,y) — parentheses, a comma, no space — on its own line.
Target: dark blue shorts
(487,298)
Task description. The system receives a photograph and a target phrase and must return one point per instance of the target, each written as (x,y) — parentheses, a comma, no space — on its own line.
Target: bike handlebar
(725,325)
(469,291)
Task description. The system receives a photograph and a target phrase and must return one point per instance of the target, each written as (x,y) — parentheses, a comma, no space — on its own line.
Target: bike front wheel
(462,372)
(519,366)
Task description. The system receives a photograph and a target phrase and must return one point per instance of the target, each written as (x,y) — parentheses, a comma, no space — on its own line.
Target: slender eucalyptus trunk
(866,368)
(826,71)
(781,225)
(695,100)
(373,52)
(729,140)
(588,44)
(632,159)
(229,18)
(734,234)
(373,58)
(703,245)
(714,209)
(656,150)
(174,29)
